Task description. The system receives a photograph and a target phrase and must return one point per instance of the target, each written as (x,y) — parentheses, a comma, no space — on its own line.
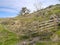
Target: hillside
(40,28)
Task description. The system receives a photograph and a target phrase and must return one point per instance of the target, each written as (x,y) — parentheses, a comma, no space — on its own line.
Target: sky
(10,8)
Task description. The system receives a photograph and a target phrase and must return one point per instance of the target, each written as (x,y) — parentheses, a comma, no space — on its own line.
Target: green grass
(48,43)
(6,37)
(40,43)
(58,33)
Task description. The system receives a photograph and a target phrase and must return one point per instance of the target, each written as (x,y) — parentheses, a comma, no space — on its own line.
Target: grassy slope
(10,38)
(41,17)
(50,11)
(6,37)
